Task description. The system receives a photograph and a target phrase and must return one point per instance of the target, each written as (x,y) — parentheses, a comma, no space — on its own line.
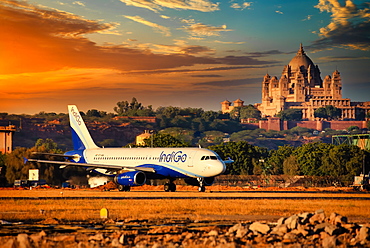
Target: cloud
(201,30)
(164,30)
(159,5)
(266,53)
(79,3)
(349,26)
(245,5)
(230,42)
(42,40)
(233,83)
(307,18)
(196,49)
(342,58)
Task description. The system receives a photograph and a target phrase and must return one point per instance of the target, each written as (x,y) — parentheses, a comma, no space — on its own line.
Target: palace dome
(301,59)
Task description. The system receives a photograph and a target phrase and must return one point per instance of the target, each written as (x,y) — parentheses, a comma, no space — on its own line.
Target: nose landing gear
(201,187)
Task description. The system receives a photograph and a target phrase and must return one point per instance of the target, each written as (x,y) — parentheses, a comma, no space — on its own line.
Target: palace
(301,87)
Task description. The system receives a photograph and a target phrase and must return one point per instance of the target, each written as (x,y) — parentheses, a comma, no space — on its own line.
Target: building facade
(301,87)
(6,138)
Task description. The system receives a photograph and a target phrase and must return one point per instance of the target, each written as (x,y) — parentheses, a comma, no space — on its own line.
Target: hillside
(103,133)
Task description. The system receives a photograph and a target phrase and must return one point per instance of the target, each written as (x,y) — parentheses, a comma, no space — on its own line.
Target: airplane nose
(220,168)
(223,168)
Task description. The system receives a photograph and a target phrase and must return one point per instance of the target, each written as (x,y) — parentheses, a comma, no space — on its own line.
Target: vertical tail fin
(80,135)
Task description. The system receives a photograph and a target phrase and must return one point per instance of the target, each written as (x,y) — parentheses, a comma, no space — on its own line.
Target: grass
(243,209)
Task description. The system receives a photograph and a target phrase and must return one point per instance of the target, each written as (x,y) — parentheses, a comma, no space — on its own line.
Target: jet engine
(207,181)
(131,178)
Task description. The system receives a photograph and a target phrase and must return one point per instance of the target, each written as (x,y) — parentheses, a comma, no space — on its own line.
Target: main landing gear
(170,186)
(123,188)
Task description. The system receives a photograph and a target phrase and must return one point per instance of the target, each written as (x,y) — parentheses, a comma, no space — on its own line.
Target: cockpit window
(209,158)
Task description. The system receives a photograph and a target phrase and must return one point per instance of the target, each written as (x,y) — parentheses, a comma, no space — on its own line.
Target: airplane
(129,167)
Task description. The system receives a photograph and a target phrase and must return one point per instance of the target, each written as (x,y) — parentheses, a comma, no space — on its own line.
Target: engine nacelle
(207,181)
(131,178)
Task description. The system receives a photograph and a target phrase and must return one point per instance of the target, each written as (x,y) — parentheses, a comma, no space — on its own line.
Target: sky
(183,53)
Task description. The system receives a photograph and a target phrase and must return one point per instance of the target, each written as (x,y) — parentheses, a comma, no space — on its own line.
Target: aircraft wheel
(202,189)
(172,187)
(167,187)
(123,188)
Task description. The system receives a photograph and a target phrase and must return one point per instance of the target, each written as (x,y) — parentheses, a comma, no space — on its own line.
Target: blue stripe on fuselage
(168,170)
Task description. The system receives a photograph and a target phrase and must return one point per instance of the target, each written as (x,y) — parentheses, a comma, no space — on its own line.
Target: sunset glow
(180,53)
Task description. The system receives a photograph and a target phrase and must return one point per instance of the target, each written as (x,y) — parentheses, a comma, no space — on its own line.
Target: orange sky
(49,59)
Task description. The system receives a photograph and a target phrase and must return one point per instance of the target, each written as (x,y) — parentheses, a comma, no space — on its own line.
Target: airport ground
(148,217)
(223,203)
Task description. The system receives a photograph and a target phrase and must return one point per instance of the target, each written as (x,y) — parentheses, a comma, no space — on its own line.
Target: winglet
(80,135)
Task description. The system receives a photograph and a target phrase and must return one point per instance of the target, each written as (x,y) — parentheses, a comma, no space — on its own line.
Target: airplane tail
(80,135)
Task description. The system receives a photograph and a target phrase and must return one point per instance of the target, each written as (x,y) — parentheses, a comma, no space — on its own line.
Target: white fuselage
(168,162)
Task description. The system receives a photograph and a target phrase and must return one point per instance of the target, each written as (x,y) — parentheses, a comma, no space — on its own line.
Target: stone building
(301,87)
(6,138)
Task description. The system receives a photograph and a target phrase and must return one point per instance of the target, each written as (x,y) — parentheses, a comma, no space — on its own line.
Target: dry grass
(243,209)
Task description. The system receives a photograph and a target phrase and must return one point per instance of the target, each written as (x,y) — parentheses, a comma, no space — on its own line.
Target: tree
(93,113)
(309,157)
(290,115)
(343,161)
(134,108)
(16,169)
(210,116)
(249,111)
(163,140)
(277,158)
(291,166)
(328,112)
(243,154)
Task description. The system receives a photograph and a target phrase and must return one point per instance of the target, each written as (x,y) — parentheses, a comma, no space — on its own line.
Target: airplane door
(191,158)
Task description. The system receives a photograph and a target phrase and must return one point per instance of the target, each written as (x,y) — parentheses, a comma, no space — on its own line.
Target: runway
(186,195)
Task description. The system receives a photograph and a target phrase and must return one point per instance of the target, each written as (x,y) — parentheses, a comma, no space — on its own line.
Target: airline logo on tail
(76,116)
(80,135)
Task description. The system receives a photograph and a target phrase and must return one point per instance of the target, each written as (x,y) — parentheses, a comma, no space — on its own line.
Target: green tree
(249,111)
(290,115)
(164,140)
(309,157)
(243,154)
(328,112)
(277,157)
(133,108)
(16,169)
(95,113)
(321,113)
(291,166)
(209,116)
(343,161)
(169,112)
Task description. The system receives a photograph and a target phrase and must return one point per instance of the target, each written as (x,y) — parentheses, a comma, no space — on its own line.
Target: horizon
(171,53)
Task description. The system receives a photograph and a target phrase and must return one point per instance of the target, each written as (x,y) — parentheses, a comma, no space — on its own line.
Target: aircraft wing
(93,166)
